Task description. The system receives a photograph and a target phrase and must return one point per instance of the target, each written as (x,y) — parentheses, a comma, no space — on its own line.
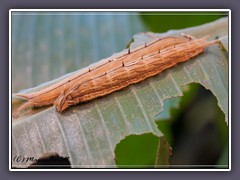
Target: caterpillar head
(63,102)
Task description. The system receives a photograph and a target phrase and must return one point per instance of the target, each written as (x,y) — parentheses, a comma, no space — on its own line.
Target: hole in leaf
(197,130)
(137,151)
(51,161)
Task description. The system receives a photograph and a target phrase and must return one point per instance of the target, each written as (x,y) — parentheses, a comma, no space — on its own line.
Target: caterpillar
(117,72)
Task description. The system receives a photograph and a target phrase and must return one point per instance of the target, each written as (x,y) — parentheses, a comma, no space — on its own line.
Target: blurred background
(48,45)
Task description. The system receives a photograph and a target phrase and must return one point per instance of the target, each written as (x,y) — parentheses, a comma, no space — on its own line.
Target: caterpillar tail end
(215,42)
(204,39)
(212,42)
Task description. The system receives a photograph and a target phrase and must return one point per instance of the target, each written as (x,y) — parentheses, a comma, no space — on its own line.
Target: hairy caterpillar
(116,72)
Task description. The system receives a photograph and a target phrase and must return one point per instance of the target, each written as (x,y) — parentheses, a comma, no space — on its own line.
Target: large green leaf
(88,133)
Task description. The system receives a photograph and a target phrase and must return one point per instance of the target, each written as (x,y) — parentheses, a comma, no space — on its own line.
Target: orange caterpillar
(117,72)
